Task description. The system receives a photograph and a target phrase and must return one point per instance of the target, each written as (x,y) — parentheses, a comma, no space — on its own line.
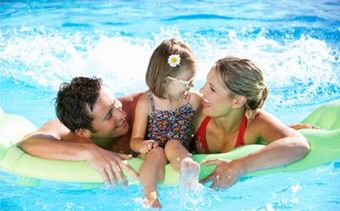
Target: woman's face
(217,100)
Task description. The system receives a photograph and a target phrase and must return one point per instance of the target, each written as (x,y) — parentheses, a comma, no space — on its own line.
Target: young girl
(164,116)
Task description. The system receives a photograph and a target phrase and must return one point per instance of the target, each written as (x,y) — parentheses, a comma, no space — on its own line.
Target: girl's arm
(195,100)
(137,142)
(285,146)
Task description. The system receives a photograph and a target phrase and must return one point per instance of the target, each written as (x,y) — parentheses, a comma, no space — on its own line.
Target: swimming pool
(43,43)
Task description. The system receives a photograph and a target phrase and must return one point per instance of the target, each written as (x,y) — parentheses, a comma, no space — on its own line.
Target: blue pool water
(296,43)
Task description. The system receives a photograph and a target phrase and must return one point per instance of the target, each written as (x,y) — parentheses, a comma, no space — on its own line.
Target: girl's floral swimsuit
(164,125)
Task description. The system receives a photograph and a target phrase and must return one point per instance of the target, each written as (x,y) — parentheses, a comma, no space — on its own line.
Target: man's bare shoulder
(132,98)
(129,106)
(53,128)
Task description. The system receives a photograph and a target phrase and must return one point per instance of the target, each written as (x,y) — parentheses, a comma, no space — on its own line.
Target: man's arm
(54,141)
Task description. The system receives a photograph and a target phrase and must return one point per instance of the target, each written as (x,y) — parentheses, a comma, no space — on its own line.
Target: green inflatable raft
(324,142)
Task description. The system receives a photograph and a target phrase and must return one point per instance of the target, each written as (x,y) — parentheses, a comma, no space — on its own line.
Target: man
(92,126)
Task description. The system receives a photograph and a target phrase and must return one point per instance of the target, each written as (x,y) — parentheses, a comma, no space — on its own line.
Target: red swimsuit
(200,136)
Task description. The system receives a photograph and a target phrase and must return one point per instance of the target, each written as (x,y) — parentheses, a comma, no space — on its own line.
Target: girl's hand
(147,145)
(225,174)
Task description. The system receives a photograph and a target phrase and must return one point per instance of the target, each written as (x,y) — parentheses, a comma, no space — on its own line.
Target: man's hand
(147,145)
(109,165)
(225,174)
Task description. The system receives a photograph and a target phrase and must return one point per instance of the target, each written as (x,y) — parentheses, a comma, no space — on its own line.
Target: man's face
(109,118)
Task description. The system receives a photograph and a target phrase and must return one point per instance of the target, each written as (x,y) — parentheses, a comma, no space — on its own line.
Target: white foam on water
(48,59)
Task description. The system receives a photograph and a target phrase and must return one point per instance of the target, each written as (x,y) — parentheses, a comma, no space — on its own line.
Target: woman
(233,92)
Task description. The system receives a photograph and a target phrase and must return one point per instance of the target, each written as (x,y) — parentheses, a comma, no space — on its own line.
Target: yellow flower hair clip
(174,60)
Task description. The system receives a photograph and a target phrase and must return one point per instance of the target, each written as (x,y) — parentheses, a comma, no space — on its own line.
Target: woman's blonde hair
(159,68)
(243,77)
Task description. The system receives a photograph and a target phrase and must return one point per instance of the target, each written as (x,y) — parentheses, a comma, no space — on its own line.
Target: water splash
(46,59)
(193,198)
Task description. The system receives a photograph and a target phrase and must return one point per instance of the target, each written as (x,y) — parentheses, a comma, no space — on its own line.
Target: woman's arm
(285,146)
(137,142)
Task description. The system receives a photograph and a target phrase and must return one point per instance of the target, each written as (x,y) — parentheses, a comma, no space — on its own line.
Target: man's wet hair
(75,101)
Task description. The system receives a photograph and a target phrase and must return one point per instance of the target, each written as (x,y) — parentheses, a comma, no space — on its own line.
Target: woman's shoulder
(263,117)
(268,127)
(261,120)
